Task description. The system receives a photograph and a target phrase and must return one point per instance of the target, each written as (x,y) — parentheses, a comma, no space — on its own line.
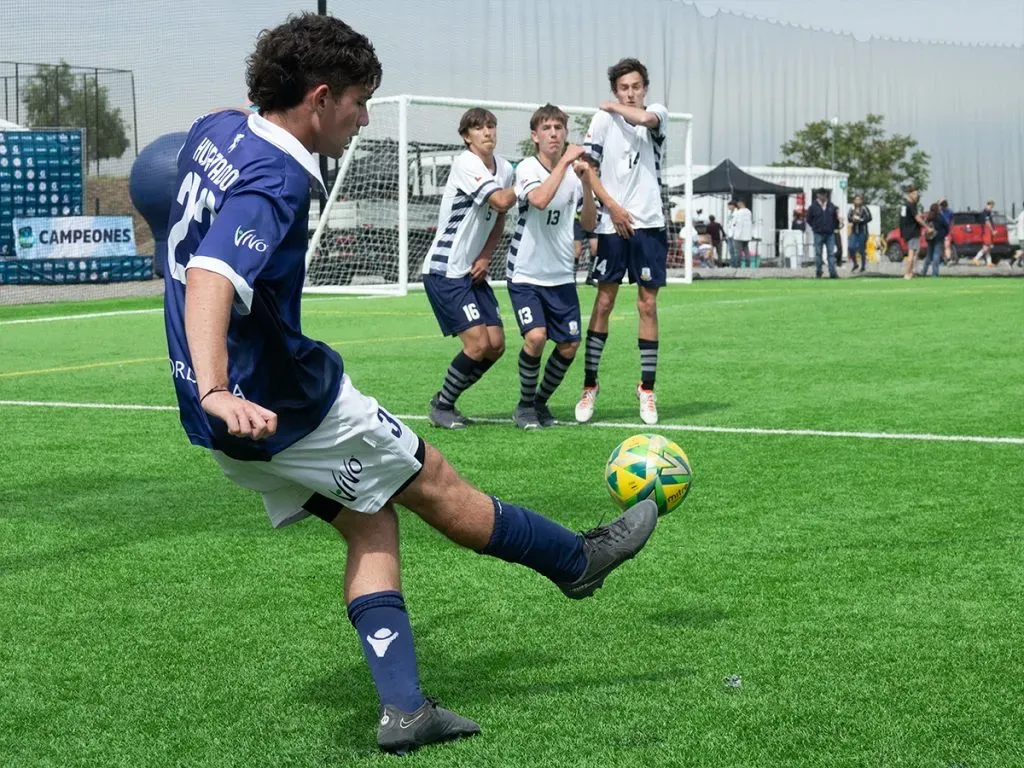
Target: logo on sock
(381,640)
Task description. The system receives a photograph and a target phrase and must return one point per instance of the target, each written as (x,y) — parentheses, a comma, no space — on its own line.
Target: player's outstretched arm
(634,115)
(541,196)
(208,298)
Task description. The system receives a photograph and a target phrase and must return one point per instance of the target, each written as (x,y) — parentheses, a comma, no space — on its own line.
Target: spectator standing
(823,218)
(935,233)
(859,217)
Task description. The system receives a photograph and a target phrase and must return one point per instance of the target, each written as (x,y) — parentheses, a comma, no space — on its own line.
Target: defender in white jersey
(472,217)
(551,187)
(627,140)
(277,409)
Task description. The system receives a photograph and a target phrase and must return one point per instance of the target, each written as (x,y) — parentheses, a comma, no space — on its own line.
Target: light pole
(835,124)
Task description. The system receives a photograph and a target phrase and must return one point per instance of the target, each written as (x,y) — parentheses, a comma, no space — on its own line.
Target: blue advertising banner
(41,174)
(72,271)
(74,237)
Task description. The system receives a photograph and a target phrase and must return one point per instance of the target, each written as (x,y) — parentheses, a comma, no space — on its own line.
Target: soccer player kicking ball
(470,222)
(551,187)
(276,408)
(627,140)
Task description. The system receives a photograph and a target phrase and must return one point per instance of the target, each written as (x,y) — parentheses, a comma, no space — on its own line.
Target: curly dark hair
(306,51)
(624,67)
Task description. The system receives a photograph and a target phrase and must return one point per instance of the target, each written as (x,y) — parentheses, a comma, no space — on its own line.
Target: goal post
(380,215)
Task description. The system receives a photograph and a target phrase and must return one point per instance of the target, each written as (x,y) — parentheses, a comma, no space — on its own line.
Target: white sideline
(924,437)
(86,316)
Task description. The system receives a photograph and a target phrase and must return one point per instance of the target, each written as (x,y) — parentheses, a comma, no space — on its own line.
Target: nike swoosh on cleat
(403,723)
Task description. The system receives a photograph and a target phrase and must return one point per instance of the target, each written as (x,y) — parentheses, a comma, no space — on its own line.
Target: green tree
(578,129)
(879,165)
(58,98)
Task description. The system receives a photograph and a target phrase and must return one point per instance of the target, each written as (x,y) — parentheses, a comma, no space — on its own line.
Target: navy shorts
(554,307)
(641,256)
(460,304)
(579,233)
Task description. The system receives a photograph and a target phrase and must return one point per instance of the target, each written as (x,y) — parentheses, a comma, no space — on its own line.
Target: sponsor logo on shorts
(574,327)
(645,273)
(347,478)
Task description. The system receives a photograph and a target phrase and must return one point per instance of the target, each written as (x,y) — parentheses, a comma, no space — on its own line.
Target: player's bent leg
(597,336)
(525,415)
(461,375)
(577,564)
(647,306)
(495,342)
(371,564)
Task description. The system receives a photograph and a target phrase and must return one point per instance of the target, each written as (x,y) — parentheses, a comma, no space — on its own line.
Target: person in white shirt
(551,187)
(626,140)
(744,233)
(730,234)
(472,217)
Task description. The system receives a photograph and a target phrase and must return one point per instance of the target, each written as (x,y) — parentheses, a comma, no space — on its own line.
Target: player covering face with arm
(627,140)
(470,222)
(552,186)
(276,408)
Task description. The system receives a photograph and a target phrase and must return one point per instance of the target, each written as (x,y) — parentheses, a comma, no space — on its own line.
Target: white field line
(920,437)
(86,316)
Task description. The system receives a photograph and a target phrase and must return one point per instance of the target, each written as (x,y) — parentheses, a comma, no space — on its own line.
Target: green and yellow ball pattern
(649,467)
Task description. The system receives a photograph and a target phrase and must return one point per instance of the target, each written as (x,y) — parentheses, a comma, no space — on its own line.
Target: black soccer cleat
(401,732)
(544,415)
(609,546)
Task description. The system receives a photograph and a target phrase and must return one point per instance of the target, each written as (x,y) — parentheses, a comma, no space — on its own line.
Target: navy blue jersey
(242,211)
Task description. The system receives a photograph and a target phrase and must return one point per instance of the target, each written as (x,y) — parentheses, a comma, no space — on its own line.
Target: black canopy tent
(728,178)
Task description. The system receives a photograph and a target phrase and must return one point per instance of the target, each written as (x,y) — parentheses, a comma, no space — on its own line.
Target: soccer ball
(648,467)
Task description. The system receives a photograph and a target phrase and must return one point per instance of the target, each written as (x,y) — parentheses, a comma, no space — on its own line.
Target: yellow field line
(84,366)
(112,363)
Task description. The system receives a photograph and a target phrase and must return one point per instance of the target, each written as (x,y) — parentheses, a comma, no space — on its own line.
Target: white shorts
(360,456)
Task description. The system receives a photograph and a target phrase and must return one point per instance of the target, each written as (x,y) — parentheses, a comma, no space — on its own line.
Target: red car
(967,234)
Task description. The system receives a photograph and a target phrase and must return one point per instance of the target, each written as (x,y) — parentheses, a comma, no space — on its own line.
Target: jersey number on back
(194,199)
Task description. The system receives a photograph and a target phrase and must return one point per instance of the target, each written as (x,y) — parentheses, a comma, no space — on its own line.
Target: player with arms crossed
(472,217)
(276,408)
(551,187)
(627,140)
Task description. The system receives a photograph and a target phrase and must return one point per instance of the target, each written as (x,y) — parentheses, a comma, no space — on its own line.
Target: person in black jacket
(935,235)
(859,217)
(823,219)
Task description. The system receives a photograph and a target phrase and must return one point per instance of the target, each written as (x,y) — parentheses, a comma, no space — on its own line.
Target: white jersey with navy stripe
(542,252)
(630,157)
(465,219)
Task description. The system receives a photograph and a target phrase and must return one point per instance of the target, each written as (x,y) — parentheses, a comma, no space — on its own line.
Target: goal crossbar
(402,103)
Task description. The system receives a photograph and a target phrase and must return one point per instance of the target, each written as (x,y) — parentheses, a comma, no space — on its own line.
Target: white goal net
(381,213)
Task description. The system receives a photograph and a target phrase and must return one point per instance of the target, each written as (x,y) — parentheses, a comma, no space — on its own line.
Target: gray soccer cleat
(466,421)
(544,415)
(609,546)
(401,732)
(445,418)
(525,417)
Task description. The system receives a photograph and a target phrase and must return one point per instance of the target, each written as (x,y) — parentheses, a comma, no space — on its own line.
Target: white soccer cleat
(585,407)
(648,405)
